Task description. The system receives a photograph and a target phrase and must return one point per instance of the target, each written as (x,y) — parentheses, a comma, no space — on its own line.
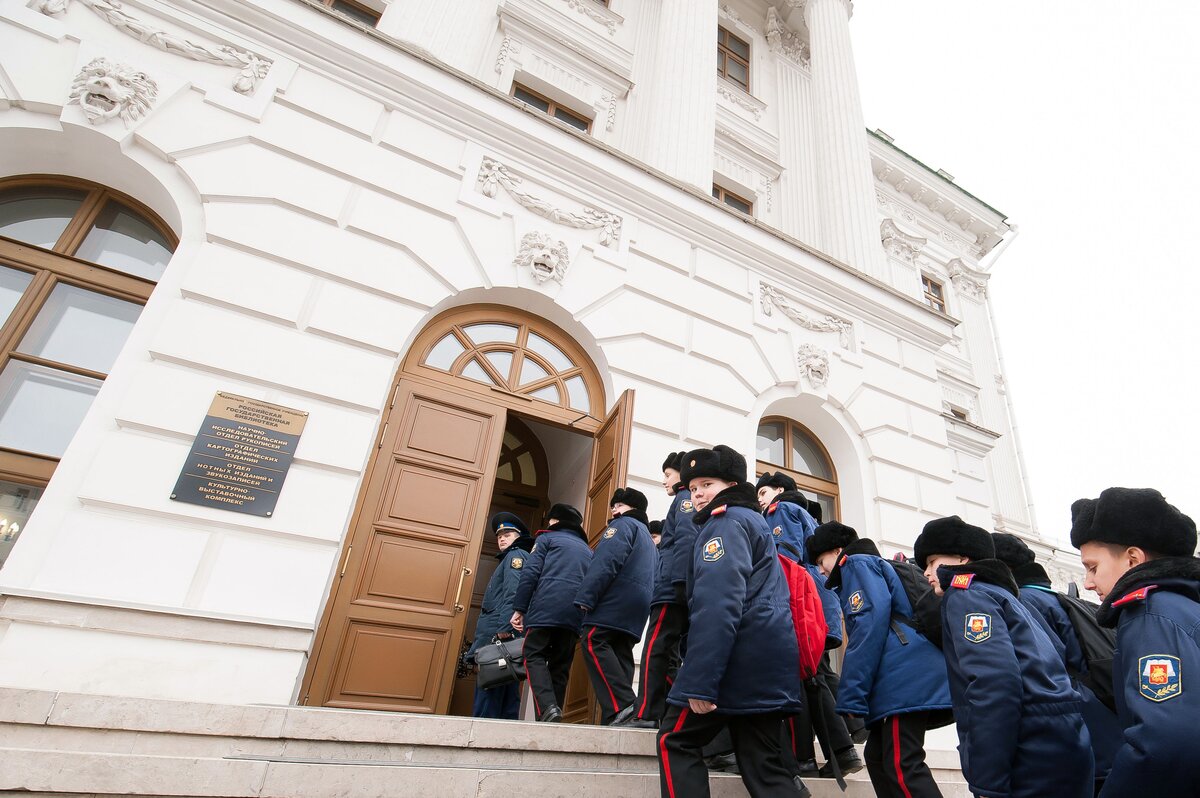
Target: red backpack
(807,615)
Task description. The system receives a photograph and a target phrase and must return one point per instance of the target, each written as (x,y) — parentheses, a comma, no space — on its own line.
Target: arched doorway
(475,378)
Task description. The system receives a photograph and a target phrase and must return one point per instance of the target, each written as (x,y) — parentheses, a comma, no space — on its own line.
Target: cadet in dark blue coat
(742,667)
(786,511)
(892,677)
(544,607)
(495,615)
(1020,731)
(1039,597)
(615,599)
(1137,552)
(668,602)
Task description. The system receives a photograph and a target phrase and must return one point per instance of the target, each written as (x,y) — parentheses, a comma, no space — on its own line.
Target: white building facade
(500,253)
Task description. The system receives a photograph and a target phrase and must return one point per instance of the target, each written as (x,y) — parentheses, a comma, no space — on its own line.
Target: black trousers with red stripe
(548,654)
(608,654)
(801,728)
(660,657)
(895,757)
(756,745)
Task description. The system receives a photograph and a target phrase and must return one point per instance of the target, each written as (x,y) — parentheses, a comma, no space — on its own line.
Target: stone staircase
(72,745)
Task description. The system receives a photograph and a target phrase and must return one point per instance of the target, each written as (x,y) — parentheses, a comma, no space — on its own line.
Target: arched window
(784,445)
(77,262)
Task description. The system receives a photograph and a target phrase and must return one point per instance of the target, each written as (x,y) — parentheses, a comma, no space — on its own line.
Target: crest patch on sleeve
(608,533)
(978,627)
(714,550)
(1160,677)
(518,562)
(686,506)
(857,602)
(777,531)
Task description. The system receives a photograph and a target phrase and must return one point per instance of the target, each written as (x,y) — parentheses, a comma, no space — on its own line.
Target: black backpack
(916,587)
(1097,643)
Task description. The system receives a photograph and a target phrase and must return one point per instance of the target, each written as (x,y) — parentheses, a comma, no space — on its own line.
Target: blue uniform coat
(742,651)
(497,606)
(619,579)
(1156,678)
(551,578)
(675,549)
(1020,731)
(881,676)
(792,525)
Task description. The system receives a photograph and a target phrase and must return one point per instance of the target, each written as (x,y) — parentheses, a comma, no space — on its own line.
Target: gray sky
(1077,119)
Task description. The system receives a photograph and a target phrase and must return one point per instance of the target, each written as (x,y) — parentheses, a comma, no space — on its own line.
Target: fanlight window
(513,358)
(784,445)
(519,461)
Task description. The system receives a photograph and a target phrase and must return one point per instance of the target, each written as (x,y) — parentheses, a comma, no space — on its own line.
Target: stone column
(800,200)
(849,223)
(452,31)
(680,122)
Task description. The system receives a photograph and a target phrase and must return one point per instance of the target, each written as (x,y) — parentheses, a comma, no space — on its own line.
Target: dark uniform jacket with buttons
(616,588)
(1020,731)
(497,607)
(1155,608)
(889,668)
(742,652)
(1040,599)
(551,578)
(792,526)
(675,549)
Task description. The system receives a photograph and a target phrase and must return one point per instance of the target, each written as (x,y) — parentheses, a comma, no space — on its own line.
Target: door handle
(462,577)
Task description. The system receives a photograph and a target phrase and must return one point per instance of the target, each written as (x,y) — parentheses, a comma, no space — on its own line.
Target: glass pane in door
(40,408)
(12,285)
(16,504)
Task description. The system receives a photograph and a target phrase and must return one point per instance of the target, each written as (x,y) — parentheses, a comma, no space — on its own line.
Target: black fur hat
(1011,550)
(631,496)
(953,536)
(564,513)
(776,480)
(655,527)
(1133,517)
(502,521)
(719,462)
(674,460)
(828,537)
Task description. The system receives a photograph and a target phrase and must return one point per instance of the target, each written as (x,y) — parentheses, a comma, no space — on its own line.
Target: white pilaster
(452,31)
(849,226)
(798,184)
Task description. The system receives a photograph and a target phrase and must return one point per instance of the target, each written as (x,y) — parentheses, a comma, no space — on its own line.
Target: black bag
(500,662)
(1097,643)
(917,588)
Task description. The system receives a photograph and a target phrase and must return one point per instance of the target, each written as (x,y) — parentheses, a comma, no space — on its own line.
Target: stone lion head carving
(106,90)
(543,256)
(814,364)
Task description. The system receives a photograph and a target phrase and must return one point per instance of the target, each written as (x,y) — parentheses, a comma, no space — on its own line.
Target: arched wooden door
(388,637)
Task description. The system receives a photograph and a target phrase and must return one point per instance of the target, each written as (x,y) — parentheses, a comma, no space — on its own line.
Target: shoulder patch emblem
(1160,677)
(777,531)
(714,550)
(518,562)
(842,561)
(962,581)
(772,508)
(720,510)
(1137,595)
(608,533)
(978,627)
(857,602)
(687,506)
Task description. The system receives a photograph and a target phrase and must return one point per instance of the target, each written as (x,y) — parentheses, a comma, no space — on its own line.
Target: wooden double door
(390,633)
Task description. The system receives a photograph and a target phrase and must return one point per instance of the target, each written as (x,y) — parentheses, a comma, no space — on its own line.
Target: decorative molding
(741,99)
(609,100)
(765,191)
(493,176)
(508,48)
(596,11)
(771,296)
(105,90)
(900,245)
(814,364)
(1001,384)
(732,16)
(781,40)
(252,68)
(544,256)
(967,281)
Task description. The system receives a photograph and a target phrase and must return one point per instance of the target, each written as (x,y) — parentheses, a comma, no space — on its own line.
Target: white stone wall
(323,219)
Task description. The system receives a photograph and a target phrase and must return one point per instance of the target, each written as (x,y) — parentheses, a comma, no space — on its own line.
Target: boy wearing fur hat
(1039,597)
(615,599)
(514,542)
(544,607)
(1020,731)
(668,603)
(1138,555)
(891,675)
(742,665)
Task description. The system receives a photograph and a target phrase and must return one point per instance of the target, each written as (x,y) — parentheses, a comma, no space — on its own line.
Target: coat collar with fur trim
(1176,574)
(740,495)
(638,514)
(860,546)
(565,526)
(1031,573)
(991,571)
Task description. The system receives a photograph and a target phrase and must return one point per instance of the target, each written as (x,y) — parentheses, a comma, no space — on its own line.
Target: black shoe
(551,715)
(635,722)
(722,763)
(622,717)
(809,768)
(801,788)
(860,735)
(847,760)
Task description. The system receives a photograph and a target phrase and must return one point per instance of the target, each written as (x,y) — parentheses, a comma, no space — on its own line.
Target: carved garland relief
(494,176)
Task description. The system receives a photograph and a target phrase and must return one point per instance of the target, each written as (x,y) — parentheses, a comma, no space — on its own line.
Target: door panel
(389,637)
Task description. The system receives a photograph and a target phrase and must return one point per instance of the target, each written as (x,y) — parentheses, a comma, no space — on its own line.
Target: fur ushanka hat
(953,536)
(1011,550)
(655,527)
(1133,517)
(631,496)
(564,514)
(776,480)
(674,460)
(719,462)
(828,537)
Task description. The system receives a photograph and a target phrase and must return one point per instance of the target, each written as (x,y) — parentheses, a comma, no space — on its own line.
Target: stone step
(65,744)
